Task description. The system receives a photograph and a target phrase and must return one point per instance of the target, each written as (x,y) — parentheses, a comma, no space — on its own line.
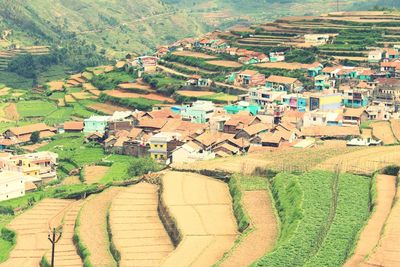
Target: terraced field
(138,233)
(202,209)
(65,252)
(369,238)
(32,228)
(383,131)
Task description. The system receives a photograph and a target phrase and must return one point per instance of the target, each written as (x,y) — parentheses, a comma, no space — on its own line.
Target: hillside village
(246,94)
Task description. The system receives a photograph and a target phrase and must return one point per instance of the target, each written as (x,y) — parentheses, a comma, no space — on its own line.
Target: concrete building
(96,124)
(12,185)
(199,112)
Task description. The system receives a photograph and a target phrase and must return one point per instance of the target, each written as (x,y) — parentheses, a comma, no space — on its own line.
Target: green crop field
(321,214)
(35,108)
(220,98)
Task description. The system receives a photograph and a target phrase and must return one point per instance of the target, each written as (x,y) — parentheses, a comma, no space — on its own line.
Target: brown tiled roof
(209,138)
(134,133)
(249,72)
(229,147)
(152,123)
(28,129)
(281,79)
(73,125)
(256,128)
(240,142)
(353,112)
(273,138)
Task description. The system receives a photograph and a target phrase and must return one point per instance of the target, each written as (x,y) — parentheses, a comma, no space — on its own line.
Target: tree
(35,136)
(142,166)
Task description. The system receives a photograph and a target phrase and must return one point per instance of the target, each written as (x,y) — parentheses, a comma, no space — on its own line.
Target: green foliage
(108,81)
(134,103)
(196,62)
(113,249)
(7,242)
(35,137)
(300,56)
(235,190)
(83,251)
(8,235)
(143,166)
(35,108)
(44,262)
(392,170)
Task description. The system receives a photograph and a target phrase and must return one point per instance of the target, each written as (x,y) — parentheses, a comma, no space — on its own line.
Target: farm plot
(65,252)
(32,228)
(93,227)
(151,96)
(395,124)
(225,63)
(387,253)
(194,93)
(369,238)
(262,239)
(137,231)
(11,112)
(283,65)
(107,108)
(35,108)
(93,174)
(202,209)
(193,54)
(364,161)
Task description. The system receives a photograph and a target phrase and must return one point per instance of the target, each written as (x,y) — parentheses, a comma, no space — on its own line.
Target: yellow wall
(330,100)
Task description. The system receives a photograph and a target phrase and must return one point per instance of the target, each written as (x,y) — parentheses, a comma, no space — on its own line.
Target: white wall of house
(12,185)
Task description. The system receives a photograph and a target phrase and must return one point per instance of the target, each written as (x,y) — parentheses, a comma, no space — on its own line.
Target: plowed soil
(93,174)
(383,131)
(195,93)
(65,252)
(93,227)
(137,231)
(388,251)
(202,208)
(369,238)
(192,54)
(395,124)
(151,96)
(225,63)
(11,112)
(262,239)
(107,108)
(32,228)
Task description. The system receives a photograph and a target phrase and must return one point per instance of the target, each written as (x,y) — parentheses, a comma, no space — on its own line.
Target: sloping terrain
(202,210)
(137,231)
(32,228)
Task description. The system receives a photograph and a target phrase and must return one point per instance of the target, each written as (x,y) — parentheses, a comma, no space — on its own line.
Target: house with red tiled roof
(282,83)
(23,134)
(247,78)
(73,126)
(239,121)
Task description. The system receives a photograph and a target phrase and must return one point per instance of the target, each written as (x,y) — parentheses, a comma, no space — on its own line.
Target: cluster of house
(24,173)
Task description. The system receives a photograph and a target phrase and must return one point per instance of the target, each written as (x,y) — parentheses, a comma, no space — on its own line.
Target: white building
(191,152)
(375,56)
(12,185)
(317,39)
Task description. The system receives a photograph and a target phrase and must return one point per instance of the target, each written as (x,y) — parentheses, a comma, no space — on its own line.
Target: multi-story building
(163,144)
(96,124)
(282,83)
(295,102)
(322,82)
(12,185)
(198,112)
(264,96)
(247,78)
(325,102)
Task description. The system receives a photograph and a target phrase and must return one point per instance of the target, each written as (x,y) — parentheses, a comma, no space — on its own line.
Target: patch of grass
(219,98)
(35,108)
(250,183)
(61,115)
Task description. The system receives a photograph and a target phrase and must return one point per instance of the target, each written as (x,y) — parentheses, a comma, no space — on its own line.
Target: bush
(142,166)
(8,235)
(242,218)
(35,136)
(6,210)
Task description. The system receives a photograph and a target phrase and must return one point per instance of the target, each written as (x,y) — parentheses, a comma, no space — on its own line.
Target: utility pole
(54,238)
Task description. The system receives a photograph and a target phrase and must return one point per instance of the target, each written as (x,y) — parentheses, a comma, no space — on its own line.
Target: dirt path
(138,232)
(65,252)
(369,238)
(387,252)
(202,209)
(262,239)
(93,174)
(383,131)
(32,228)
(93,227)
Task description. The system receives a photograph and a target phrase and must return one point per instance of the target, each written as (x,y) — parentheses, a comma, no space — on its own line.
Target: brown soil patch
(369,238)
(107,108)
(395,124)
(32,228)
(383,131)
(225,63)
(93,227)
(138,232)
(82,95)
(193,54)
(351,58)
(4,91)
(93,174)
(195,93)
(11,112)
(262,239)
(151,96)
(202,209)
(388,251)
(69,99)
(33,148)
(65,252)
(283,65)
(70,180)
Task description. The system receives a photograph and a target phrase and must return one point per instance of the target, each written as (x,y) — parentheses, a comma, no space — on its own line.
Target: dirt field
(193,54)
(71,180)
(395,124)
(65,252)
(383,131)
(194,93)
(363,161)
(288,160)
(262,239)
(151,96)
(93,174)
(93,227)
(282,65)
(388,251)
(369,238)
(225,63)
(107,108)
(138,232)
(202,208)
(12,112)
(32,230)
